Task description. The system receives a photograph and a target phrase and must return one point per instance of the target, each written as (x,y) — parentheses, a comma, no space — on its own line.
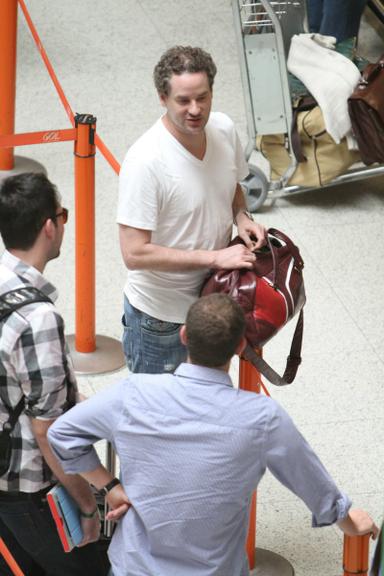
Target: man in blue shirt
(192,450)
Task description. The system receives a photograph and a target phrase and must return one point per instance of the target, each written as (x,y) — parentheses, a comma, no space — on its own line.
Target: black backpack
(9,302)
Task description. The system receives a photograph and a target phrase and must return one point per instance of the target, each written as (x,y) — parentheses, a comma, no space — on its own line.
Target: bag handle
(371,71)
(275,253)
(293,360)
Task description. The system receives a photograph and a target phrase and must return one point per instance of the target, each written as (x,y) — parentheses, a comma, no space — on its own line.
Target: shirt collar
(29,274)
(203,375)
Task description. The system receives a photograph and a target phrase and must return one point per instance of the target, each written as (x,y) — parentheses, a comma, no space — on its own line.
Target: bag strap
(14,414)
(9,302)
(304,104)
(15,299)
(293,360)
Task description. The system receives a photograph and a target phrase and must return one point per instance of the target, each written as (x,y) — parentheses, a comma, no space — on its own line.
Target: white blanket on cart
(329,76)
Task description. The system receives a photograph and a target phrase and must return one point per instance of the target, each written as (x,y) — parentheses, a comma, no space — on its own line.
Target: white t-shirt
(185,202)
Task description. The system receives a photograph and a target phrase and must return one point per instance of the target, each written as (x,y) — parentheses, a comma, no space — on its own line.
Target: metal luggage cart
(264,29)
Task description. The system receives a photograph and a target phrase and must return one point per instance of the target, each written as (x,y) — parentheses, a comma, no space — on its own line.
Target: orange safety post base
(5,553)
(356,553)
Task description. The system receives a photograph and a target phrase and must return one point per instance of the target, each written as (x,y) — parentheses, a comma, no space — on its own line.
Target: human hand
(357,523)
(253,234)
(236,256)
(119,503)
(91,529)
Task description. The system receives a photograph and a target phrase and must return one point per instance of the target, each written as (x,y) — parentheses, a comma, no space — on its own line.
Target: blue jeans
(339,18)
(30,534)
(151,346)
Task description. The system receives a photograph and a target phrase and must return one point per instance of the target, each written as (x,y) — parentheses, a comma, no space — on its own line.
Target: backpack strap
(15,299)
(14,414)
(9,302)
(293,360)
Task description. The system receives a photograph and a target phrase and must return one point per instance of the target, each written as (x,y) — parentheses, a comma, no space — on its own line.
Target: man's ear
(183,335)
(49,228)
(241,346)
(163,99)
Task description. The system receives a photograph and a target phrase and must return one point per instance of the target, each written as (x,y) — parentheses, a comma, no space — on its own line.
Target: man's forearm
(239,204)
(154,257)
(77,486)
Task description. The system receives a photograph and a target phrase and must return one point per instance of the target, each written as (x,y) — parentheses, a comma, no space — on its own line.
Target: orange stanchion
(8,38)
(251,538)
(10,559)
(85,338)
(42,137)
(355,557)
(99,143)
(47,62)
(249,379)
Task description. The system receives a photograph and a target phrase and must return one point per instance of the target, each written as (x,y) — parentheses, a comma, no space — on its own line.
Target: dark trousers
(30,534)
(339,18)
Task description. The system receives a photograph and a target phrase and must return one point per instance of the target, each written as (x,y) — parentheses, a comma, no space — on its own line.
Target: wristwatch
(108,487)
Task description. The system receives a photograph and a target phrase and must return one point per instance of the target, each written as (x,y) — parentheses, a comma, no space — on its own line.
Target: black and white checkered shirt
(34,362)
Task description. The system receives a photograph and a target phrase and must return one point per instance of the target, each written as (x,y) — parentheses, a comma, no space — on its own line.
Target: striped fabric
(34,361)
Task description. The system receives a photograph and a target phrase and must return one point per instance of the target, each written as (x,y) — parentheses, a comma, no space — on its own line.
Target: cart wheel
(255,186)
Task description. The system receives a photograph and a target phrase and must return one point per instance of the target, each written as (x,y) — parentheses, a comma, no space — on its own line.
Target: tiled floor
(103,54)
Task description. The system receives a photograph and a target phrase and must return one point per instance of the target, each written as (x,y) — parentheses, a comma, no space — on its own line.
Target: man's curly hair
(178,60)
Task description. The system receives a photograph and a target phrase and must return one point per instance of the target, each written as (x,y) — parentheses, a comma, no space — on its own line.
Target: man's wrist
(245,212)
(109,486)
(89,514)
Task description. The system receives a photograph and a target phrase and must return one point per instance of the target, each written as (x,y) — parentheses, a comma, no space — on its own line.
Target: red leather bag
(270,294)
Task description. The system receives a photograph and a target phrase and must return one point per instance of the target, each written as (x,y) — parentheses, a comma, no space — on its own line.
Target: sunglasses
(63,213)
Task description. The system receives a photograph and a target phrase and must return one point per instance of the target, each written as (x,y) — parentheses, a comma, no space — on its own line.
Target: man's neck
(224,368)
(30,257)
(196,144)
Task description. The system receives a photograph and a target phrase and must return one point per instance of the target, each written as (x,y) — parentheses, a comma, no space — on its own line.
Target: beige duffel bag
(324,158)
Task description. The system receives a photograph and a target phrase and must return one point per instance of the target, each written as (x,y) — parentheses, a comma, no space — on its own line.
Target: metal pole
(356,552)
(8,38)
(85,337)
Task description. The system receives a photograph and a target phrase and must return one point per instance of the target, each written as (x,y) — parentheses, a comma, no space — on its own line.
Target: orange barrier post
(8,38)
(10,559)
(249,379)
(85,338)
(356,552)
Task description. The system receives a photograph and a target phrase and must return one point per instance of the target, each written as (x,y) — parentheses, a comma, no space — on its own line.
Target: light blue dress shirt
(192,449)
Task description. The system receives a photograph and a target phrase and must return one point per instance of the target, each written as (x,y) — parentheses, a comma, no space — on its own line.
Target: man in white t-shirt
(179,196)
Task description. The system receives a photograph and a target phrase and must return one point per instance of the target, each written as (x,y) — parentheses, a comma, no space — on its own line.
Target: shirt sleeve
(42,364)
(242,165)
(139,194)
(293,462)
(73,434)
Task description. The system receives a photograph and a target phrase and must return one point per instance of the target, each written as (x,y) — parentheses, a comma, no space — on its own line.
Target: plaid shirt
(34,362)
